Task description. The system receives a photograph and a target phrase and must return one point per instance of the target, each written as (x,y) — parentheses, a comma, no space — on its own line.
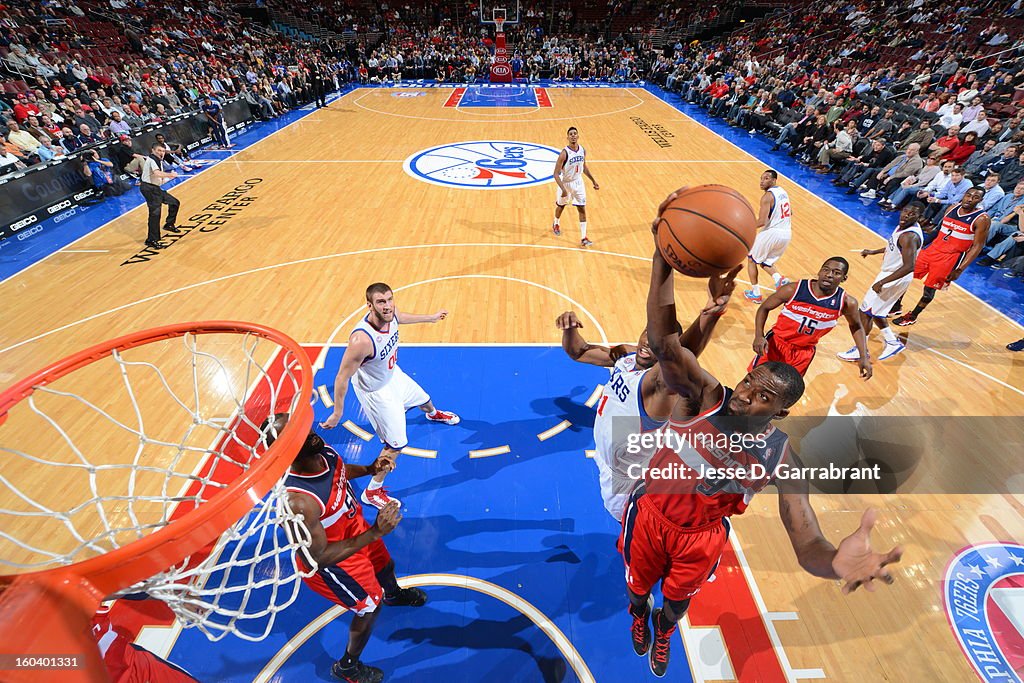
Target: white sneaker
(851,356)
(870,194)
(892,349)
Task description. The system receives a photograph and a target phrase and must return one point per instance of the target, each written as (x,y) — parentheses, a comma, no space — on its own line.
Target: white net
(137,439)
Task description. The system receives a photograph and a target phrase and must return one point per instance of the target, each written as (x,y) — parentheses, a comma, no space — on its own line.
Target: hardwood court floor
(330,210)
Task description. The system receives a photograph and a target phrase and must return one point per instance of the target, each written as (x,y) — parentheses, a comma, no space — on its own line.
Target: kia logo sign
(59,207)
(501,70)
(15,227)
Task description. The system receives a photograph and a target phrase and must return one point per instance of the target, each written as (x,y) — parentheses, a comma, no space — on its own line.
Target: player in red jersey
(810,310)
(354,568)
(125,661)
(962,236)
(674,529)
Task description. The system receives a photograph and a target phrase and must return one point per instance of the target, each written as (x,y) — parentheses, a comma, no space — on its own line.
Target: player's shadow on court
(480,638)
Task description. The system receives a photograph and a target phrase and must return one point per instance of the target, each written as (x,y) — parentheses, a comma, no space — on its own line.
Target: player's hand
(384,464)
(864,253)
(760,345)
(865,368)
(388,518)
(332,421)
(565,194)
(440,315)
(954,274)
(857,564)
(720,289)
(596,186)
(664,205)
(877,287)
(567,321)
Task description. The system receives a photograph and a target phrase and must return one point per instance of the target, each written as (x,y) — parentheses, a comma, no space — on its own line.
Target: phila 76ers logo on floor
(484,165)
(984,598)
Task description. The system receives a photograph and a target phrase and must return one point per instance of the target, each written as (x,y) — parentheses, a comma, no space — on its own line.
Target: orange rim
(125,566)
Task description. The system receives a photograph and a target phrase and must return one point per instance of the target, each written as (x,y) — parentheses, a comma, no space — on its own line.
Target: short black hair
(839,259)
(571,129)
(157,145)
(790,379)
(773,174)
(376,288)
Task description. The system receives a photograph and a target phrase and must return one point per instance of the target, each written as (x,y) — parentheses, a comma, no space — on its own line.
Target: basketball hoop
(499,23)
(142,465)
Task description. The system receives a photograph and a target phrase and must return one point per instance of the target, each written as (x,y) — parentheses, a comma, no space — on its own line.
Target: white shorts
(386,407)
(879,305)
(769,245)
(611,487)
(577,193)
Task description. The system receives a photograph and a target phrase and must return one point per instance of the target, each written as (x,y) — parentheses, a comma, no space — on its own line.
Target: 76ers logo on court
(984,597)
(484,165)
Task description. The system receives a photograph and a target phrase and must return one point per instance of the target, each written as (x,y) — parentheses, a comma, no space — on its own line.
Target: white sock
(374,484)
(756,289)
(776,278)
(555,222)
(889,336)
(583,230)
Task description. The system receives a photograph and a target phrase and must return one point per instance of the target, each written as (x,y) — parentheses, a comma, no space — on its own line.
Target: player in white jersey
(892,282)
(384,390)
(570,168)
(635,399)
(775,220)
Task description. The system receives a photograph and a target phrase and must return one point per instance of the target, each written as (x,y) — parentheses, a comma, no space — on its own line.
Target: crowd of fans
(919,103)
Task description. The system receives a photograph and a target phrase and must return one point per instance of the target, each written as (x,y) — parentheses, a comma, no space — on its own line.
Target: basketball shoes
(641,630)
(447,418)
(357,673)
(377,497)
(662,640)
(586,242)
(751,297)
(406,597)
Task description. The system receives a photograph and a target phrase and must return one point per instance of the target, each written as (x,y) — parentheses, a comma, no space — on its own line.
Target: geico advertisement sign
(23,223)
(59,207)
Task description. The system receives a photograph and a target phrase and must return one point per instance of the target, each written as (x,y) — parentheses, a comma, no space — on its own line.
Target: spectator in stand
(23,108)
(1012,172)
(117,125)
(921,136)
(949,194)
(22,139)
(99,172)
(963,150)
(979,125)
(795,129)
(979,157)
(943,146)
(906,164)
(993,192)
(67,141)
(869,162)
(9,163)
(839,149)
(1006,215)
(930,178)
(952,118)
(85,136)
(46,150)
(122,154)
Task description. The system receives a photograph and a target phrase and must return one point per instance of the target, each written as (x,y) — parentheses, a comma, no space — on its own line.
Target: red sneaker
(447,418)
(556,229)
(377,497)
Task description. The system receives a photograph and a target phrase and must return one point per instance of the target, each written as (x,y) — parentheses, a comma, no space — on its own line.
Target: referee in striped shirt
(153,176)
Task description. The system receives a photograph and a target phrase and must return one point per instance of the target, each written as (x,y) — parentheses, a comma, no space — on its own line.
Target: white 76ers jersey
(781,216)
(574,160)
(377,369)
(620,414)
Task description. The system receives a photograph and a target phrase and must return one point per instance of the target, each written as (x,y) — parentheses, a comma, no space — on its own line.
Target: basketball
(707,230)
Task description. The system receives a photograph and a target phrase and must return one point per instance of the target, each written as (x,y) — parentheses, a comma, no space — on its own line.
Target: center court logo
(984,598)
(484,165)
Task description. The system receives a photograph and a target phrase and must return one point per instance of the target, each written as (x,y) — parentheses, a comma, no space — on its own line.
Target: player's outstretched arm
(854,561)
(679,368)
(852,314)
(781,296)
(359,349)
(576,347)
(413,318)
(720,289)
(325,553)
(385,462)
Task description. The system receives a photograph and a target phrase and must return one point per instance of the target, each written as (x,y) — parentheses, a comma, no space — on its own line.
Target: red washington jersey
(956,234)
(688,499)
(340,511)
(805,318)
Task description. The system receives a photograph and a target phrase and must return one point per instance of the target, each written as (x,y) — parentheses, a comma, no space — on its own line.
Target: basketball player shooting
(810,310)
(570,167)
(384,391)
(635,399)
(775,218)
(674,528)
